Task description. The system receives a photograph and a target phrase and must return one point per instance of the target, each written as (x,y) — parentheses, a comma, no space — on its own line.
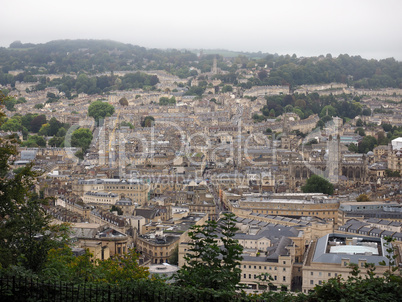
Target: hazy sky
(368,28)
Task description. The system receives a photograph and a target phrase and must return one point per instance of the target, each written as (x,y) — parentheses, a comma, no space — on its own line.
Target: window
(245,266)
(245,276)
(275,278)
(311,282)
(320,274)
(311,273)
(249,276)
(320,282)
(284,269)
(284,278)
(329,274)
(284,262)
(275,268)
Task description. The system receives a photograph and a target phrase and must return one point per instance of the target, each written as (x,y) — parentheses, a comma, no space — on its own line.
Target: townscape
(135,156)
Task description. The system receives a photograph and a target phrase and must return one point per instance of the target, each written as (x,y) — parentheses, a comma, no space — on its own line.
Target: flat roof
(353,249)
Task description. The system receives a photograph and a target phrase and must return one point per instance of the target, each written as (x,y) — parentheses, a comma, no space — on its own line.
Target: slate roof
(321,255)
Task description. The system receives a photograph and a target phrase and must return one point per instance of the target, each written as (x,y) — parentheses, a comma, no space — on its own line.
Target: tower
(215,66)
(334,158)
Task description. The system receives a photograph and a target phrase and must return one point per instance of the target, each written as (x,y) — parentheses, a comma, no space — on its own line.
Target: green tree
(37,122)
(10,103)
(119,269)
(227,88)
(81,138)
(258,118)
(231,251)
(44,130)
(27,119)
(126,124)
(320,124)
(318,184)
(166,101)
(54,126)
(353,148)
(390,173)
(387,127)
(12,124)
(288,108)
(360,131)
(56,141)
(116,209)
(359,123)
(123,101)
(25,231)
(366,112)
(330,109)
(362,198)
(61,132)
(99,110)
(148,121)
(207,264)
(34,141)
(382,139)
(367,144)
(299,113)
(38,106)
(21,100)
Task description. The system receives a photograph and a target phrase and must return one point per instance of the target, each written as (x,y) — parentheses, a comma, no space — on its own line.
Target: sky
(371,29)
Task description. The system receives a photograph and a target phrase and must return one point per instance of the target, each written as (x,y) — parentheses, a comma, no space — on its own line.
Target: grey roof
(146,213)
(356,226)
(28,154)
(387,233)
(376,231)
(365,229)
(272,232)
(321,256)
(397,235)
(373,220)
(281,248)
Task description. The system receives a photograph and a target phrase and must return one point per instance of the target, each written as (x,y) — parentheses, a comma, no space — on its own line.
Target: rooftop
(333,248)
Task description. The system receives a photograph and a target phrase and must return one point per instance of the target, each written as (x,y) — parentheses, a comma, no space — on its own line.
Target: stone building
(395,155)
(134,189)
(287,204)
(331,255)
(331,163)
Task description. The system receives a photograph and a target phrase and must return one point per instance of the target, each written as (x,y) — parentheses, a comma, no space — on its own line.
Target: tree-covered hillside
(95,56)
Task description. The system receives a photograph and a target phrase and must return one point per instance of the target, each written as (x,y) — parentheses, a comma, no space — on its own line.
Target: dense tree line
(94,56)
(100,84)
(39,126)
(353,70)
(304,105)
